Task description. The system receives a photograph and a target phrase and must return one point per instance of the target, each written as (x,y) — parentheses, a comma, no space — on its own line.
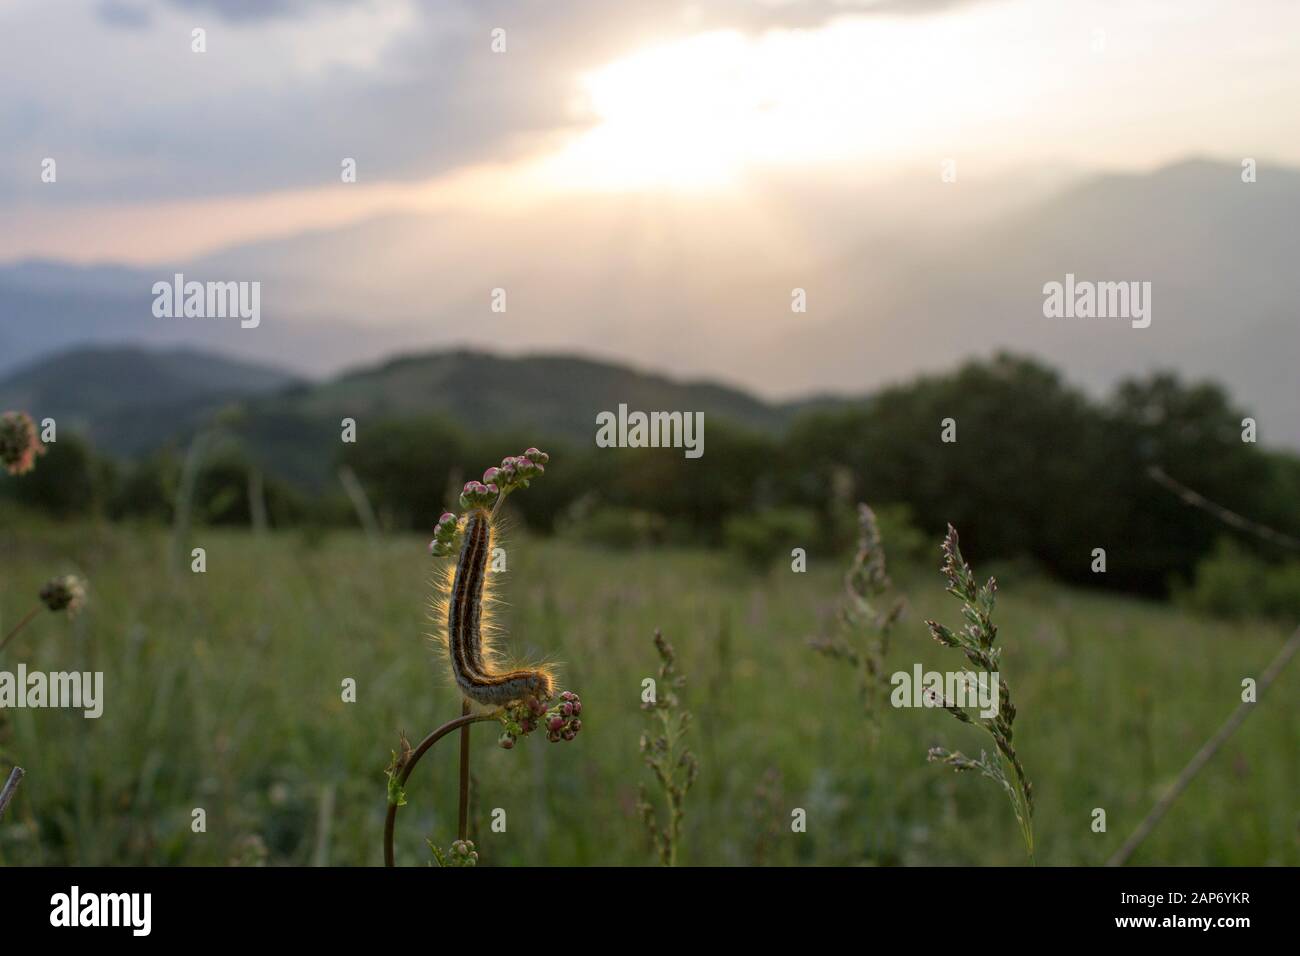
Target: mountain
(547,397)
(556,395)
(1219,255)
(128,399)
(701,285)
(48,307)
(131,400)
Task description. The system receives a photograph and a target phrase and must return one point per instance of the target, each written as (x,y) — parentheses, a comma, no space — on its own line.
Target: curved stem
(391,821)
(21,624)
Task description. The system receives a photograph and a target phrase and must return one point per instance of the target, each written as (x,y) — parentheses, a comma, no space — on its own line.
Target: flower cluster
(64,593)
(460,853)
(19,444)
(476,494)
(560,721)
(445,535)
(514,472)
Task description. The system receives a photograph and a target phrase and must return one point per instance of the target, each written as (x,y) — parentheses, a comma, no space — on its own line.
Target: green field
(223,692)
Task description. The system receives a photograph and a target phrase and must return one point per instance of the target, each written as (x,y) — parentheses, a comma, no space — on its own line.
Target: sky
(163,152)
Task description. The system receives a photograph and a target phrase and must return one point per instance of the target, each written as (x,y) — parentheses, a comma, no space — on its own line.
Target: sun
(699,112)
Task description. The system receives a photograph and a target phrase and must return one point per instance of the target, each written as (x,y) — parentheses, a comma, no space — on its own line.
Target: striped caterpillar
(473,663)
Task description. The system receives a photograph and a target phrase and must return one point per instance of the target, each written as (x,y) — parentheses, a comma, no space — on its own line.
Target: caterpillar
(473,663)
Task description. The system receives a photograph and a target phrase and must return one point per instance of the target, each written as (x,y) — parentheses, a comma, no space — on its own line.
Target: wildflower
(674,766)
(19,444)
(523,717)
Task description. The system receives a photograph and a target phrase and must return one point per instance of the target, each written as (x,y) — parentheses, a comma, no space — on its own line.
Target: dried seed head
(64,593)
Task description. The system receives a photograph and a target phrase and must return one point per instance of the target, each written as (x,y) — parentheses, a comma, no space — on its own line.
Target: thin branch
(10,788)
(1208,750)
(1230,518)
(405,772)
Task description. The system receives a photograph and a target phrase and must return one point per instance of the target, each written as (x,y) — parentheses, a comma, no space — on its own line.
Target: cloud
(288,88)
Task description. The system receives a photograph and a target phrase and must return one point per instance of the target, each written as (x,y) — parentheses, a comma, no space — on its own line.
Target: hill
(128,399)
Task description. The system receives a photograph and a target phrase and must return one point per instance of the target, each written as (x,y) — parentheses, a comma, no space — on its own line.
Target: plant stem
(462,828)
(1208,750)
(21,624)
(10,788)
(391,821)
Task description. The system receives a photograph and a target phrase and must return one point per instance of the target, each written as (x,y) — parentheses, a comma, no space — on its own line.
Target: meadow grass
(223,691)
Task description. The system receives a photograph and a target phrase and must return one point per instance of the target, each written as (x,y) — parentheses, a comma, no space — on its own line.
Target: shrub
(761,538)
(1234,583)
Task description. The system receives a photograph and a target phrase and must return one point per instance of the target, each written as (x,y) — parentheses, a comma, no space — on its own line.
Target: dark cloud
(251,9)
(121,13)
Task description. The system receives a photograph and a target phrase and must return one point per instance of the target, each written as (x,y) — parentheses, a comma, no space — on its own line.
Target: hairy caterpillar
(473,663)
